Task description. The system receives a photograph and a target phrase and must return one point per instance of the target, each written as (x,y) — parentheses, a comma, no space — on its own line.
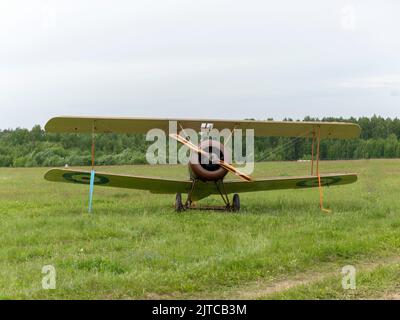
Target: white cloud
(383,81)
(348,21)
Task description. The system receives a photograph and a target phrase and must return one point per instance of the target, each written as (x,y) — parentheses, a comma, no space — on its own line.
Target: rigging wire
(284,146)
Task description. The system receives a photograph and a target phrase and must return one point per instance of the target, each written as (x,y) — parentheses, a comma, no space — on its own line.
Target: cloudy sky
(210,58)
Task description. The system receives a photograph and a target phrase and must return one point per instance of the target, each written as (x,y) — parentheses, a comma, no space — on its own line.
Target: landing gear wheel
(236,203)
(178,203)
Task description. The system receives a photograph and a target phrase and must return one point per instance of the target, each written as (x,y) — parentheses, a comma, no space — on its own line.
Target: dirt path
(263,289)
(390,296)
(260,289)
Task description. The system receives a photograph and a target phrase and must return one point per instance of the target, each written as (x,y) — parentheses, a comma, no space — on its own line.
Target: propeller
(222,163)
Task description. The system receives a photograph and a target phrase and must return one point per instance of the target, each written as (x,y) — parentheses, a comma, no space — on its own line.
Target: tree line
(36,148)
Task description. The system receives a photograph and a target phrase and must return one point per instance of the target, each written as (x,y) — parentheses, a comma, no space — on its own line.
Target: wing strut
(312,153)
(321,194)
(92,172)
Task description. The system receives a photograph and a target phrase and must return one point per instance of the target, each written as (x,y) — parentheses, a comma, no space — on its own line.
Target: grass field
(134,246)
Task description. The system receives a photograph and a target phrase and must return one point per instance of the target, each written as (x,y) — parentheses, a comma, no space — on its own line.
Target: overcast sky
(209,58)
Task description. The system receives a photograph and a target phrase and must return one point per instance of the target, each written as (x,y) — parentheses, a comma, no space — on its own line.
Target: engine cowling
(209,170)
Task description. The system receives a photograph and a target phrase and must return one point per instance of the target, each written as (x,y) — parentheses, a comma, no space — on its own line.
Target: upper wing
(153,185)
(289,183)
(337,130)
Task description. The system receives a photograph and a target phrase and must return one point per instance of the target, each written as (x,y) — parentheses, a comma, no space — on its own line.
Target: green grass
(135,246)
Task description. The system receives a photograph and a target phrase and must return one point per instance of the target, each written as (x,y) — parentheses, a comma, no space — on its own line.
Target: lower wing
(202,189)
(154,185)
(289,183)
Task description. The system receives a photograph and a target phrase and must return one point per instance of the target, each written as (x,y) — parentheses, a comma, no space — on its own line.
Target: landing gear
(188,205)
(178,203)
(236,203)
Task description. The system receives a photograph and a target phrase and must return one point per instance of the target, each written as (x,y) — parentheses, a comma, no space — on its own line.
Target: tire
(178,203)
(236,203)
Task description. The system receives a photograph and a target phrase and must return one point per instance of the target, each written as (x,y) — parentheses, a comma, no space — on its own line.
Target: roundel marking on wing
(314,183)
(84,178)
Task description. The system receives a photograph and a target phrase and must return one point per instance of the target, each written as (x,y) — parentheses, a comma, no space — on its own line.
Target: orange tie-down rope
(321,194)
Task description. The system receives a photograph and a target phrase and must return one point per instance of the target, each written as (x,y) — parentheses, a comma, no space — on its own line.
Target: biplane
(205,179)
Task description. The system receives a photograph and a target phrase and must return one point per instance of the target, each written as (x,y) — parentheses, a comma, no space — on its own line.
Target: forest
(36,148)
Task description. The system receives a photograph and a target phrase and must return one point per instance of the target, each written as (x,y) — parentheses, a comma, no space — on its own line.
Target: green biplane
(205,178)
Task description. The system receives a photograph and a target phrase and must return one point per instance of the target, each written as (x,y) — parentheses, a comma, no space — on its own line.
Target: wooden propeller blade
(235,171)
(222,163)
(189,144)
